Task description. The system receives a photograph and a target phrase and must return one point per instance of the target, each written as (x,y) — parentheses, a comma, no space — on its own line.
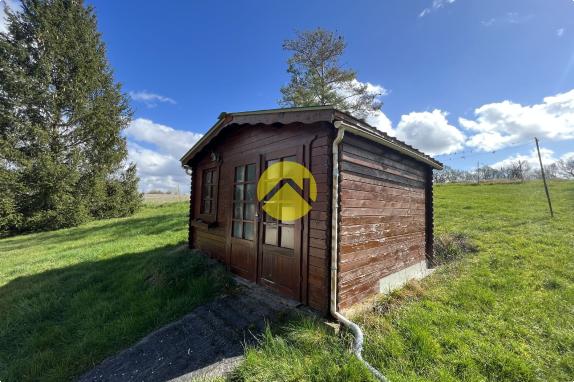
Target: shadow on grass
(151,225)
(57,324)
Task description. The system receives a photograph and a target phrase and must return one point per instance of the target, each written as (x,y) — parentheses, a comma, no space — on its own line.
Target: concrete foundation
(398,279)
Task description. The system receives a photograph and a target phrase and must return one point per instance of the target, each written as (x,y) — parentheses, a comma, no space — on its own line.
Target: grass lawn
(70,298)
(505,313)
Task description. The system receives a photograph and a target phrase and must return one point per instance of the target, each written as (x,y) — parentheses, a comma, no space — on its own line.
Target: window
(209,193)
(279,233)
(244,203)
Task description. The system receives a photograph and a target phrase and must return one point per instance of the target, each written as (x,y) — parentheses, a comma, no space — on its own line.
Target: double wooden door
(264,249)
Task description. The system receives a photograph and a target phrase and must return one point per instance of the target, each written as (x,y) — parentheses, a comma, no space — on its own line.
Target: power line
(465,154)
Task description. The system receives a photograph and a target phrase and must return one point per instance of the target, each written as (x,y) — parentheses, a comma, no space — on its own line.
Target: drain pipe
(354,328)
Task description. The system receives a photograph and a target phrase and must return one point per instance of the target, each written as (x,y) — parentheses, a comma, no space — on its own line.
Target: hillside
(502,314)
(72,297)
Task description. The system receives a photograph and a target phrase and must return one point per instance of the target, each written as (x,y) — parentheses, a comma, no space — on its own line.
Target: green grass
(70,298)
(505,313)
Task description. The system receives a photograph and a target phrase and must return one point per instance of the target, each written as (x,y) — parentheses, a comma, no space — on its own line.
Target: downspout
(189,171)
(354,328)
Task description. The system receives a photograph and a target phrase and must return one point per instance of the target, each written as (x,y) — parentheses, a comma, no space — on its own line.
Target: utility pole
(544,178)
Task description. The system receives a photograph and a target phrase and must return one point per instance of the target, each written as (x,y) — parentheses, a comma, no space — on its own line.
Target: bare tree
(566,167)
(519,169)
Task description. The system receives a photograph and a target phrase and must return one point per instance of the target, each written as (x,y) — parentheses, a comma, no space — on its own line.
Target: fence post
(544,178)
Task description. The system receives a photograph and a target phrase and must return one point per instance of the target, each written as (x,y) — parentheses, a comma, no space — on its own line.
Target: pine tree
(318,78)
(62,155)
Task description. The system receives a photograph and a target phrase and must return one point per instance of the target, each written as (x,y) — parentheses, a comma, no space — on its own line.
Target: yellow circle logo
(280,189)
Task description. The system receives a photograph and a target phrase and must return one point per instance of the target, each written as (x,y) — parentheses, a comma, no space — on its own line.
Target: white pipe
(354,328)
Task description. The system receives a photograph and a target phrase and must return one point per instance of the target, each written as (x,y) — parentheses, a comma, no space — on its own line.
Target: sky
(466,81)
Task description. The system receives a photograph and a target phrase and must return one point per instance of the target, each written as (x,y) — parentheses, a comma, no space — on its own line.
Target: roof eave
(353,124)
(199,144)
(389,143)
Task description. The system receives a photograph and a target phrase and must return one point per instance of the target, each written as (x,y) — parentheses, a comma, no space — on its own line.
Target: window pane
(291,171)
(238,211)
(207,206)
(238,192)
(249,211)
(250,173)
(237,229)
(239,172)
(208,176)
(250,191)
(269,218)
(287,240)
(271,234)
(248,232)
(275,173)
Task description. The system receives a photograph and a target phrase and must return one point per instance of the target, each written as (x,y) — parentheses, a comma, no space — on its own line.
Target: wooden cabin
(372,207)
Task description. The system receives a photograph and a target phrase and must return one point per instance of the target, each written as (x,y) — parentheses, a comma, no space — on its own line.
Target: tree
(61,117)
(519,169)
(566,167)
(318,78)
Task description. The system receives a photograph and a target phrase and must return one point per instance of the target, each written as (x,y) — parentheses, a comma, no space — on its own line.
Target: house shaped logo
(280,189)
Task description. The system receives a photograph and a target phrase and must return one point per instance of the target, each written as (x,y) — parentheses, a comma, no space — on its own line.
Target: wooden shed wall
(383,216)
(241,141)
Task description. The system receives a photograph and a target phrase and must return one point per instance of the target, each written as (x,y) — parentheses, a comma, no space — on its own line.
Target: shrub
(449,247)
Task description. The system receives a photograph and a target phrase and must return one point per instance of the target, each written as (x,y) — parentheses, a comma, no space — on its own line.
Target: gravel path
(208,342)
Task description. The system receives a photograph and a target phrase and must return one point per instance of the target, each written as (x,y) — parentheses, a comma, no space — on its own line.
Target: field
(505,313)
(72,297)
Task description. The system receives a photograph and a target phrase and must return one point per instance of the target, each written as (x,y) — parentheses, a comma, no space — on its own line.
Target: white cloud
(509,18)
(379,120)
(166,139)
(159,167)
(374,88)
(531,158)
(150,99)
(547,155)
(560,32)
(517,18)
(430,132)
(502,124)
(436,4)
(427,131)
(157,171)
(346,90)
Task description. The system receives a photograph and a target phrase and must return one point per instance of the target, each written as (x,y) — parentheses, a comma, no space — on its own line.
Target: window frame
(210,217)
(244,202)
(272,223)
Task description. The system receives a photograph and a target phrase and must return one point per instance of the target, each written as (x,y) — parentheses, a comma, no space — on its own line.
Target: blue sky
(439,61)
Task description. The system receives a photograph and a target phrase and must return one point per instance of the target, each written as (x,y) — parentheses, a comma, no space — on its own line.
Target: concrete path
(208,342)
